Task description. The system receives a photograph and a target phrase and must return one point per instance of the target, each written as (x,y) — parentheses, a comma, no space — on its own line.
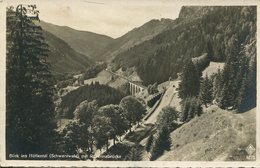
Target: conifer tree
(191,107)
(223,102)
(206,91)
(217,84)
(198,108)
(134,154)
(242,94)
(29,108)
(162,143)
(209,50)
(149,143)
(234,76)
(190,81)
(185,106)
(247,93)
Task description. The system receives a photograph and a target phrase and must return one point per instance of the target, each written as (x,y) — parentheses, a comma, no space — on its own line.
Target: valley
(204,138)
(63,59)
(180,89)
(211,134)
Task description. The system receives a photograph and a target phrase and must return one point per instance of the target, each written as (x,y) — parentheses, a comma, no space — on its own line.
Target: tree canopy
(103,94)
(134,109)
(167,117)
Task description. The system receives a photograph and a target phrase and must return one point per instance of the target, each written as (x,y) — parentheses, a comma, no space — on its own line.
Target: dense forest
(92,71)
(210,33)
(103,94)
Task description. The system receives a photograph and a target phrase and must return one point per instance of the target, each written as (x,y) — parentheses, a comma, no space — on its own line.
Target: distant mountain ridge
(84,42)
(101,47)
(165,42)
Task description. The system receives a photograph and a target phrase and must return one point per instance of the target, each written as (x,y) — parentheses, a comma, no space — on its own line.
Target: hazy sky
(110,17)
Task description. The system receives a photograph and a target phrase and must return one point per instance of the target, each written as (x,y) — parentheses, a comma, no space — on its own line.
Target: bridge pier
(134,88)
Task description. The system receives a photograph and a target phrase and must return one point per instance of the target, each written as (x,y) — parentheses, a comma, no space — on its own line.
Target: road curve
(170,95)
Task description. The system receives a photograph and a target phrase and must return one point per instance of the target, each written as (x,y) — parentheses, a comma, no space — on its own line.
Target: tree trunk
(88,152)
(130,127)
(91,147)
(107,144)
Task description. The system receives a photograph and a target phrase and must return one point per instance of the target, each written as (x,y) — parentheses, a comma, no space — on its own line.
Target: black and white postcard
(154,83)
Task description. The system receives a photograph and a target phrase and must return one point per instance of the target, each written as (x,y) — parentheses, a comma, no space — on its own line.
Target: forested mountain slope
(222,32)
(86,43)
(134,37)
(62,58)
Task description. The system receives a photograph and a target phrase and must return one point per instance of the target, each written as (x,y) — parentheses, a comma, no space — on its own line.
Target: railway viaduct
(134,87)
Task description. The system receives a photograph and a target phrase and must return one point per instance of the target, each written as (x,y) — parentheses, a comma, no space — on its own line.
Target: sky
(113,18)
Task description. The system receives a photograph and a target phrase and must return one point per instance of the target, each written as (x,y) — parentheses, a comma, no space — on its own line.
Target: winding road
(170,98)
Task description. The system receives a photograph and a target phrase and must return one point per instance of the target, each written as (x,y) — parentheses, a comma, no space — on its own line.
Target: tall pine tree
(162,143)
(190,81)
(234,77)
(30,124)
(206,91)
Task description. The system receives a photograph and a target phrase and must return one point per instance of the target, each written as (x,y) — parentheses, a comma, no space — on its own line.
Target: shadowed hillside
(62,58)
